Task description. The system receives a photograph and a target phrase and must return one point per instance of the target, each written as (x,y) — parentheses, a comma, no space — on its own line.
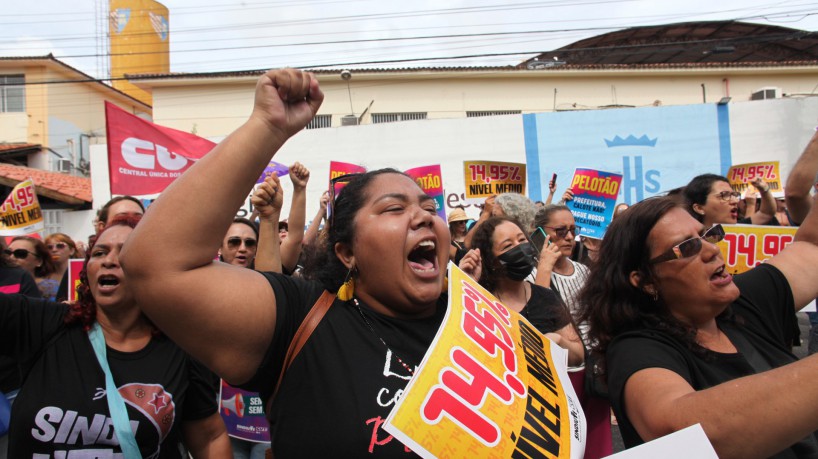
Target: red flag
(144,158)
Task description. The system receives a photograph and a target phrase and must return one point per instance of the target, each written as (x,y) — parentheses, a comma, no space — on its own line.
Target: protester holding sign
(684,344)
(82,362)
(505,258)
(385,255)
(711,200)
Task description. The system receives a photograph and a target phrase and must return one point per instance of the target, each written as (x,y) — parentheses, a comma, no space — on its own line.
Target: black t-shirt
(340,388)
(761,315)
(62,405)
(14,280)
(545,310)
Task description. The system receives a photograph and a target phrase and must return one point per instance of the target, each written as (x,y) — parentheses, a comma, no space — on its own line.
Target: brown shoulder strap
(317,312)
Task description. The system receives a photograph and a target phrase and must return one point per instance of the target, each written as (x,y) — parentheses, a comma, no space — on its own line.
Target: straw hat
(457,215)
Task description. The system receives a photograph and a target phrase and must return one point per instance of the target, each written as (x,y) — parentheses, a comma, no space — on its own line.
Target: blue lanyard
(119,414)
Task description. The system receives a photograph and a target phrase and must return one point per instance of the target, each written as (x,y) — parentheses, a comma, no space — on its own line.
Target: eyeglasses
(20,254)
(563,231)
(691,246)
(235,242)
(335,186)
(57,246)
(727,196)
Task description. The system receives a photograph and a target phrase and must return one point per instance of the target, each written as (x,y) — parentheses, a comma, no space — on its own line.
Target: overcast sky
(247,35)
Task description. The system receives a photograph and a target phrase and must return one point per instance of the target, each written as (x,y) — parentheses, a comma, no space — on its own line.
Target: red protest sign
(143,157)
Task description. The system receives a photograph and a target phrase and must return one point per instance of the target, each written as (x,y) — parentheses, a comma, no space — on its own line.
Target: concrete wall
(216,107)
(760,131)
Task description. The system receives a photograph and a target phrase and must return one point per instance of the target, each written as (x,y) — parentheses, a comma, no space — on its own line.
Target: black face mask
(519,261)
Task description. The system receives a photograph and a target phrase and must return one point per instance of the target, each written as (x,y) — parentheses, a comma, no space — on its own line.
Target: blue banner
(655,149)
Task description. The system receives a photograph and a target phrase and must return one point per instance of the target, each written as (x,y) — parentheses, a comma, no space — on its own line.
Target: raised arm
(801,181)
(224,316)
(312,231)
(267,201)
(291,246)
(767,210)
(797,261)
(485,214)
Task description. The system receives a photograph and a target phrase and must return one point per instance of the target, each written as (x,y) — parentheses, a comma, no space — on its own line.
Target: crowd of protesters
(654,327)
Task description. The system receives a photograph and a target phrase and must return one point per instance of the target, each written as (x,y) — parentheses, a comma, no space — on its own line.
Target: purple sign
(243,414)
(273,168)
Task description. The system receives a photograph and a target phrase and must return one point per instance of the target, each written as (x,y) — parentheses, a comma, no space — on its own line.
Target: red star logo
(158,402)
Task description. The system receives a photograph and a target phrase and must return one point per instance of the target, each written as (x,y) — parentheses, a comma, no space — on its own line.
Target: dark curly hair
(609,302)
(84,311)
(483,239)
(326,267)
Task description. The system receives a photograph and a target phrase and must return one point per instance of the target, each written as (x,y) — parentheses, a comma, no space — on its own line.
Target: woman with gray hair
(518,207)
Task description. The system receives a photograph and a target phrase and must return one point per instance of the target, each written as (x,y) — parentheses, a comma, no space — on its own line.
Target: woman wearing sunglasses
(239,244)
(99,379)
(686,343)
(567,276)
(62,249)
(711,200)
(384,243)
(32,255)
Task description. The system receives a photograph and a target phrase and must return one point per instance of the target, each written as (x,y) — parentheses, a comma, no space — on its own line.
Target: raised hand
(472,264)
(286,100)
(299,175)
(268,198)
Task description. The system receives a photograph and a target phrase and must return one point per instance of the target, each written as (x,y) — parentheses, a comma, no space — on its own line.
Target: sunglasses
(727,196)
(235,242)
(335,186)
(57,246)
(20,254)
(563,231)
(691,246)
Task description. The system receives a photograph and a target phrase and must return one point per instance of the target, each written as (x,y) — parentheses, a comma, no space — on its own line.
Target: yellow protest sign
(20,213)
(747,246)
(741,175)
(488,178)
(490,386)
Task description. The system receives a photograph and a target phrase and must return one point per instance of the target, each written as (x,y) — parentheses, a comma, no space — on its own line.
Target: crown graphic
(631,141)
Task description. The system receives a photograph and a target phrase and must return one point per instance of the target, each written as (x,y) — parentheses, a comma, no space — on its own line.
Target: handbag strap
(116,405)
(317,312)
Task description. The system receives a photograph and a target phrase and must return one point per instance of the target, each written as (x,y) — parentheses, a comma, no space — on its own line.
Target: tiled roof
(8,148)
(726,43)
(54,185)
(520,68)
(321,71)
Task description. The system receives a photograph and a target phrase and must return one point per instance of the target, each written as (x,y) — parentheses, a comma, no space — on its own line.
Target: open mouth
(423,258)
(721,275)
(108,281)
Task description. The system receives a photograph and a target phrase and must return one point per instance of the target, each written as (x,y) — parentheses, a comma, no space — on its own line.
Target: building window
(320,121)
(52,220)
(392,117)
(12,93)
(492,113)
